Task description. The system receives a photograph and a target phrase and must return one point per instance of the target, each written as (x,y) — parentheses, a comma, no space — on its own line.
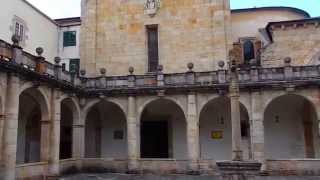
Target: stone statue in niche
(151,7)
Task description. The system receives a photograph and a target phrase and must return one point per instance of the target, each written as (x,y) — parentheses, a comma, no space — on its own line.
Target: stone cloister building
(166,87)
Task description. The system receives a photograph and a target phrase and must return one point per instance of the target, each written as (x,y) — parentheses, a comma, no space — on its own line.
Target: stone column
(11,128)
(257,127)
(78,140)
(133,136)
(45,140)
(54,157)
(235,117)
(193,134)
(2,120)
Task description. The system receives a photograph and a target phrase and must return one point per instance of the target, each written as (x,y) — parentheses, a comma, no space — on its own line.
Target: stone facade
(287,38)
(225,122)
(114,37)
(264,95)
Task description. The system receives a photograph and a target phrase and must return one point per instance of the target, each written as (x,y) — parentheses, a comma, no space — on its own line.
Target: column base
(133,172)
(133,167)
(193,172)
(52,177)
(239,167)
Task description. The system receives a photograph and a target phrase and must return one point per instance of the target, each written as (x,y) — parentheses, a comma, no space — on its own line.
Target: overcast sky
(71,8)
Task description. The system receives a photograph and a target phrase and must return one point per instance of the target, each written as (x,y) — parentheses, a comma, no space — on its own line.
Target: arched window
(248,51)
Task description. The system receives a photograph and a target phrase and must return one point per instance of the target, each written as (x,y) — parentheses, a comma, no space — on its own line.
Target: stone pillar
(78,147)
(78,140)
(2,120)
(235,118)
(133,128)
(55,134)
(11,128)
(45,140)
(193,134)
(257,127)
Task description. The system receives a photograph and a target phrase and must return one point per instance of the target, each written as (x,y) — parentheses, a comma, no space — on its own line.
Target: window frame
(151,62)
(242,42)
(67,42)
(77,65)
(19,30)
(19,27)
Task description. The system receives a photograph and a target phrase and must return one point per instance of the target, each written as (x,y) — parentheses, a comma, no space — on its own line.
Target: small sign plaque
(217,134)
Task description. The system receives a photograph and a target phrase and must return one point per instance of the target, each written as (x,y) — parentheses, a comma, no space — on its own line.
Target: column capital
(44,122)
(192,92)
(78,126)
(132,95)
(256,90)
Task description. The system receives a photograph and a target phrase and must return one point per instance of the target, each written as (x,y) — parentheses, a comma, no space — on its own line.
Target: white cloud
(58,8)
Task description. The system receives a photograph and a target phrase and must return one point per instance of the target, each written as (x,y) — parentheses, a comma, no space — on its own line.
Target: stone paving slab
(174,177)
(136,177)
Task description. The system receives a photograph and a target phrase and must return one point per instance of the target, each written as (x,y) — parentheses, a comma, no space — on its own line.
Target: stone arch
(215,96)
(215,129)
(75,107)
(43,98)
(32,135)
(293,121)
(93,102)
(163,129)
(150,100)
(274,95)
(105,130)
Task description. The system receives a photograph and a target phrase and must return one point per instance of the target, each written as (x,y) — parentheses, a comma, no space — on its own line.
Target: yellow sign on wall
(217,134)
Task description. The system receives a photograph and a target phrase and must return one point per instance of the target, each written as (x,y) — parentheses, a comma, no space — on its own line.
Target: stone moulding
(151,7)
(239,166)
(24,65)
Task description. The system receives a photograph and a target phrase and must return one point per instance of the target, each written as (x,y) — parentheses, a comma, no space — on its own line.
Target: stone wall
(114,35)
(301,42)
(248,24)
(179,177)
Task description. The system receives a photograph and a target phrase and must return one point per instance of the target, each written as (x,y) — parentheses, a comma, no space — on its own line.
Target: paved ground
(136,177)
(173,177)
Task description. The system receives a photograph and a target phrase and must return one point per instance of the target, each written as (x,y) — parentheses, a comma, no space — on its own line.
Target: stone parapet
(248,77)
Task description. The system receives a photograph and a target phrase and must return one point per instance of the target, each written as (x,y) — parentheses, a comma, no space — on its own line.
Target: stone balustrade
(249,76)
(14,58)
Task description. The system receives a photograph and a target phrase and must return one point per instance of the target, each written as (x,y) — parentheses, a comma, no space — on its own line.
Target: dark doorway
(74,66)
(154,139)
(66,129)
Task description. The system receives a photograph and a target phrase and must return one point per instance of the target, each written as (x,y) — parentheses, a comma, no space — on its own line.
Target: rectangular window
(153,51)
(74,65)
(69,38)
(19,31)
(63,66)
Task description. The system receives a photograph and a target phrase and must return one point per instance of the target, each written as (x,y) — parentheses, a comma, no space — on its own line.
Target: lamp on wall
(277,119)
